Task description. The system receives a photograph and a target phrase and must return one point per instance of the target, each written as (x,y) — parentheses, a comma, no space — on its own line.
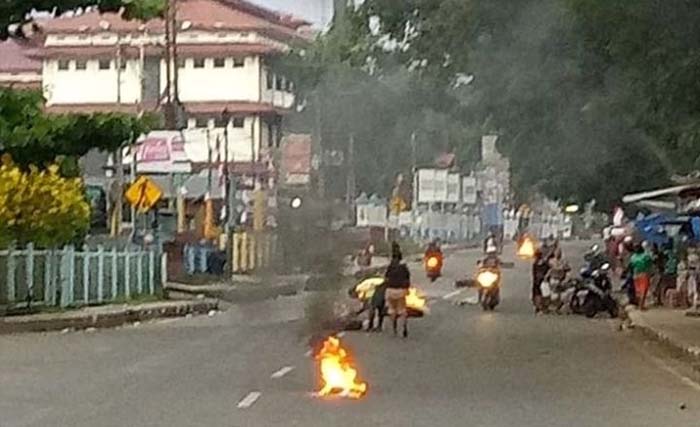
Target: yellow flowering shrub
(40,206)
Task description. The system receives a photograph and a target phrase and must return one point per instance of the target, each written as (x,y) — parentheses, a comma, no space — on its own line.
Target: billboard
(469,190)
(453,188)
(432,185)
(296,159)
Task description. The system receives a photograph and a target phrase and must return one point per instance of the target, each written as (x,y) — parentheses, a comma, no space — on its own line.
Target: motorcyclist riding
(433,259)
(490,243)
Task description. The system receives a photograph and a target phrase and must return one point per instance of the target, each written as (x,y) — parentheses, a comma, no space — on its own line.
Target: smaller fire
(338,375)
(415,300)
(527,248)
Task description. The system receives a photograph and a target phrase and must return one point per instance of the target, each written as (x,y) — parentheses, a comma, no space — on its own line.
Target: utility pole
(318,145)
(351,181)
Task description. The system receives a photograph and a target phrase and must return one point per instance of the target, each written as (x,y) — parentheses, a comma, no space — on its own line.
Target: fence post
(100,272)
(235,252)
(67,275)
(86,274)
(244,253)
(139,271)
(11,275)
(49,279)
(252,252)
(163,269)
(29,270)
(115,273)
(127,274)
(151,272)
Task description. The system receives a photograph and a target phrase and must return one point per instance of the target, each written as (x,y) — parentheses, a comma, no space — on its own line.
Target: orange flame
(415,300)
(337,373)
(527,248)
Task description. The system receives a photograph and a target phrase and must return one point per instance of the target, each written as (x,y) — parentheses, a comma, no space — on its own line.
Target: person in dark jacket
(377,308)
(540,268)
(398,280)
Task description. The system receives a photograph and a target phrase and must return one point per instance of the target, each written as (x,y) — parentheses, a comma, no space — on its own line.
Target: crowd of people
(654,274)
(650,274)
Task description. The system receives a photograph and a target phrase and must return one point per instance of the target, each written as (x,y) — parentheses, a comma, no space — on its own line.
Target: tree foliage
(40,206)
(32,137)
(592,98)
(16,11)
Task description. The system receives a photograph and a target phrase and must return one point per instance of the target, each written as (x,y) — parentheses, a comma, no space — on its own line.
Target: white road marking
(340,334)
(452,294)
(308,353)
(282,372)
(249,400)
(685,380)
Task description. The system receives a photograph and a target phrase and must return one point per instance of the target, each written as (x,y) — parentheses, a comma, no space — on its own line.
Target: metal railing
(69,277)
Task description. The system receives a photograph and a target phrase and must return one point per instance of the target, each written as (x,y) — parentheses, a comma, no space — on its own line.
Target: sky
(319,12)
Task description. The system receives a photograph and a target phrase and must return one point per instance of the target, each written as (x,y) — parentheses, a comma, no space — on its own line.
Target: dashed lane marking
(249,400)
(452,294)
(308,353)
(282,372)
(340,334)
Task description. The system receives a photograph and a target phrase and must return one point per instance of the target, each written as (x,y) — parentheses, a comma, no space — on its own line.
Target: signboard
(143,194)
(432,185)
(453,188)
(296,159)
(161,152)
(469,190)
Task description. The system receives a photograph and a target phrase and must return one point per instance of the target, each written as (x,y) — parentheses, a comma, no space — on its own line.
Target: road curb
(87,318)
(238,294)
(659,335)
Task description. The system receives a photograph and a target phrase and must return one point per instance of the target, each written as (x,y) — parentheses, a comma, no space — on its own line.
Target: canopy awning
(674,191)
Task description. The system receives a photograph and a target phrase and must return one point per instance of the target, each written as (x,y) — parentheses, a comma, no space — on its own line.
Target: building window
(181,62)
(244,35)
(63,64)
(105,64)
(279,82)
(222,35)
(270,80)
(199,63)
(122,65)
(270,135)
(81,64)
(220,122)
(238,122)
(219,62)
(238,62)
(201,122)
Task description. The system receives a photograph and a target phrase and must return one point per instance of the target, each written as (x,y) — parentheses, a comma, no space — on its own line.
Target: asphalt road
(249,366)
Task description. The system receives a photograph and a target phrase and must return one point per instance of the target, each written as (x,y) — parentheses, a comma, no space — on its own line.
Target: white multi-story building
(95,62)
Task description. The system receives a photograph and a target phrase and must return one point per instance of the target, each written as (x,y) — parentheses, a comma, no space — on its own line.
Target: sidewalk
(671,326)
(106,316)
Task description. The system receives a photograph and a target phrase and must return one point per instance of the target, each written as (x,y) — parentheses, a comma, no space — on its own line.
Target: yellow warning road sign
(143,194)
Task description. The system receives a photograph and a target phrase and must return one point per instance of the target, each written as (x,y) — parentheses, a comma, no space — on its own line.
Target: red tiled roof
(14,57)
(21,85)
(208,50)
(184,50)
(237,15)
(217,107)
(190,107)
(94,108)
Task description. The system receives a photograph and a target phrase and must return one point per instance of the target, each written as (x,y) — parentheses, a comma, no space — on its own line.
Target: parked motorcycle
(593,293)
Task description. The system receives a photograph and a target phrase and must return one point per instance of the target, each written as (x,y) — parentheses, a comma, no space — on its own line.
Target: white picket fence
(67,277)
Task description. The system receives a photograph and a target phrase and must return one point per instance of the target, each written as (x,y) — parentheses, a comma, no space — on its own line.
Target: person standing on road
(641,265)
(398,280)
(540,267)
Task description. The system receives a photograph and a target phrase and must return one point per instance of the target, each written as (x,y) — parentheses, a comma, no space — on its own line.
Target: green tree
(40,206)
(16,11)
(32,137)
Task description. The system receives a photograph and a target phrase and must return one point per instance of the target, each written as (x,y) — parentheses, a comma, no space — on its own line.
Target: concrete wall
(91,85)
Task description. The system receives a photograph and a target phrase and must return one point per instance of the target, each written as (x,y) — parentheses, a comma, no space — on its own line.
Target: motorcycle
(433,266)
(593,293)
(488,280)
